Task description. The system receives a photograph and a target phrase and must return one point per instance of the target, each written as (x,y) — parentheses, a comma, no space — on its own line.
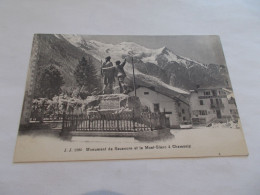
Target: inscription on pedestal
(110,103)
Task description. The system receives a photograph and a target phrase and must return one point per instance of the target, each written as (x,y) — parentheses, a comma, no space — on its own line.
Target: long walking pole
(101,72)
(133,75)
(135,93)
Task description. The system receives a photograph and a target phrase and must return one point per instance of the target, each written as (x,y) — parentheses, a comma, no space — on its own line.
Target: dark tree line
(49,80)
(86,78)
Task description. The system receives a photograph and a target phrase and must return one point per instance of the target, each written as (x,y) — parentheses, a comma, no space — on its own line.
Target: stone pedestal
(114,103)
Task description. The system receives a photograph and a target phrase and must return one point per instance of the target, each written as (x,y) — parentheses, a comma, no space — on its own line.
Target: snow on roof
(209,88)
(175,96)
(160,86)
(227,90)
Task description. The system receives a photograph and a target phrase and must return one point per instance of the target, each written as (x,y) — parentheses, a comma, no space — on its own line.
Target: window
(201,102)
(203,112)
(219,101)
(199,112)
(206,92)
(167,112)
(222,92)
(214,92)
(183,111)
(156,107)
(184,118)
(211,101)
(146,93)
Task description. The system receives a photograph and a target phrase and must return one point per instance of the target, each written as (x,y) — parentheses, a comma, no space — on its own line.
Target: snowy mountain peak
(160,57)
(164,50)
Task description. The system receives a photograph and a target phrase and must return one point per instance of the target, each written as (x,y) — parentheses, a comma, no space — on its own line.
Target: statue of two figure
(110,72)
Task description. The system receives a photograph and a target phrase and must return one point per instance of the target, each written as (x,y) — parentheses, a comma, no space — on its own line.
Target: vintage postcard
(93,97)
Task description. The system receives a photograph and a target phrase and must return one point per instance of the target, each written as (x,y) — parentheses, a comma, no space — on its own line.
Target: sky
(206,49)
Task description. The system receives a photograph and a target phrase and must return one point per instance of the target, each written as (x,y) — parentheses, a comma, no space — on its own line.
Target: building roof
(209,88)
(169,93)
(227,90)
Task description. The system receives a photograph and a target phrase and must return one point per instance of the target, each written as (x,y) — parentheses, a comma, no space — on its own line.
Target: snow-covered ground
(53,135)
(203,141)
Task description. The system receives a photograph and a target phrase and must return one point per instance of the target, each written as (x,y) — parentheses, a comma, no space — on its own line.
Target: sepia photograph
(107,97)
(139,97)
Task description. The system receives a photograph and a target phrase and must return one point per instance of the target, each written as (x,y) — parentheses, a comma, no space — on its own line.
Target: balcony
(220,105)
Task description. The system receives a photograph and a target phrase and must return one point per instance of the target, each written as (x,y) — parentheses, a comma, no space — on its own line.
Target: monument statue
(108,73)
(121,76)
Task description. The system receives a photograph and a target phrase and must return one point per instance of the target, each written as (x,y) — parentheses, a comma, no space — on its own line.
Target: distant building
(212,104)
(174,103)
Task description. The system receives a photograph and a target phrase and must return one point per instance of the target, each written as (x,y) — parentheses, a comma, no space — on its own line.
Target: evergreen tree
(86,77)
(49,82)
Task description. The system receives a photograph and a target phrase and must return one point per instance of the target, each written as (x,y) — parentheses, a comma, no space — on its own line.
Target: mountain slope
(162,63)
(154,67)
(64,56)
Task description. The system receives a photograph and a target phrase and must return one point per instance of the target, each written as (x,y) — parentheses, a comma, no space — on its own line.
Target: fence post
(76,126)
(88,122)
(63,121)
(133,120)
(103,125)
(117,122)
(150,121)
